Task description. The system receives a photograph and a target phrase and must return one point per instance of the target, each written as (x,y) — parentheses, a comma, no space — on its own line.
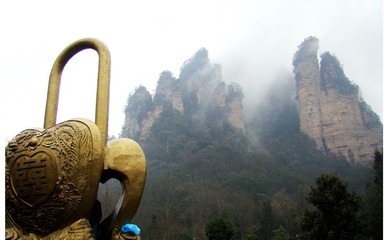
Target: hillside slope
(204,160)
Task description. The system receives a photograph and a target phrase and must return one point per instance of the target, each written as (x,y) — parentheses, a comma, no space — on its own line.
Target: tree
(284,207)
(335,215)
(267,221)
(219,228)
(251,236)
(378,167)
(374,200)
(280,234)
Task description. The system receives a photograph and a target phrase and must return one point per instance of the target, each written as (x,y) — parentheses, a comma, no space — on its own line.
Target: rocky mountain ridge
(330,109)
(198,92)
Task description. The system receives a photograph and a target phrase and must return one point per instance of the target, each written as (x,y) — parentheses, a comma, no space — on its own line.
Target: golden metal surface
(125,161)
(102,98)
(52,175)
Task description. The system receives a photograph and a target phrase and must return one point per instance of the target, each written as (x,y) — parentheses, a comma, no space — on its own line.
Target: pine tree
(219,228)
(374,200)
(280,234)
(335,215)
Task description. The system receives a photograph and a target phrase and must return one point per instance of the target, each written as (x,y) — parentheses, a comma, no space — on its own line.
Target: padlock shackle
(102,98)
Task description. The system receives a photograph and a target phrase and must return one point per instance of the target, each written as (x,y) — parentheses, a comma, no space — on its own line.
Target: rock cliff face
(234,106)
(331,111)
(136,113)
(197,93)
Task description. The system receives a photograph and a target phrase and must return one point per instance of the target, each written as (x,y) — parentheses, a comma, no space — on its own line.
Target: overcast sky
(254,41)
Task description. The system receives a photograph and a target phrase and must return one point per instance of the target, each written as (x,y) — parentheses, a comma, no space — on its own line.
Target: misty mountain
(328,105)
(205,160)
(332,113)
(198,95)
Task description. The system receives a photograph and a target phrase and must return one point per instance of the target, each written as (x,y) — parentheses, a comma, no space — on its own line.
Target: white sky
(253,41)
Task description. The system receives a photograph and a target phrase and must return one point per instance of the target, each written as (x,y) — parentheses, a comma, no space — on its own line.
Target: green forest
(208,180)
(195,178)
(198,172)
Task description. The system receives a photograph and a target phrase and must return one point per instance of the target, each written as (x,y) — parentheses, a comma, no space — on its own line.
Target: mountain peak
(195,63)
(307,50)
(199,94)
(331,111)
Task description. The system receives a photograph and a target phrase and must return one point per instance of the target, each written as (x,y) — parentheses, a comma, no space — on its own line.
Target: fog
(254,41)
(265,50)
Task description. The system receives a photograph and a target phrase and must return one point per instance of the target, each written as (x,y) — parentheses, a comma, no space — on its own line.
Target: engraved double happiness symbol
(32,178)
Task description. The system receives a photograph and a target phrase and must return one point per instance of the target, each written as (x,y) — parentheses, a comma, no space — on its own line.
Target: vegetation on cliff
(306,50)
(332,76)
(204,172)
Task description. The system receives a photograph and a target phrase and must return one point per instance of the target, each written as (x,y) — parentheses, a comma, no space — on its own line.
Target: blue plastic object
(130,228)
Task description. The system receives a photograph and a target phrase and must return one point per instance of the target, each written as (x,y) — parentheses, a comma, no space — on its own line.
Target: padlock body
(52,175)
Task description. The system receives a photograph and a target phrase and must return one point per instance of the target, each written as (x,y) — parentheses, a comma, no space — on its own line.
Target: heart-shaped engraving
(52,175)
(33,177)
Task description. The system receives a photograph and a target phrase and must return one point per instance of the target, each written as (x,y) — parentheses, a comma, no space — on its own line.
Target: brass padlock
(53,174)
